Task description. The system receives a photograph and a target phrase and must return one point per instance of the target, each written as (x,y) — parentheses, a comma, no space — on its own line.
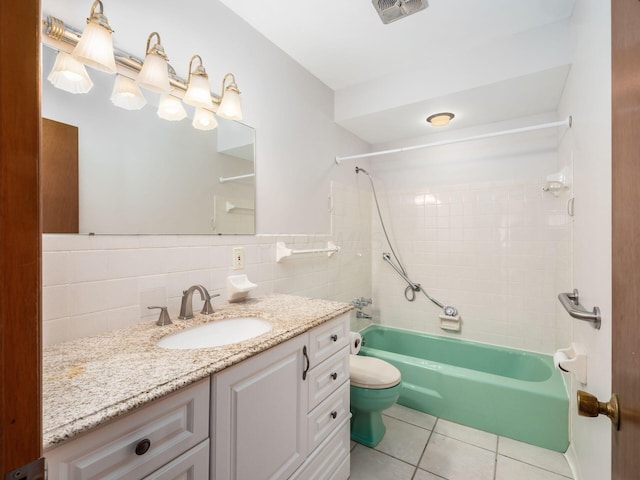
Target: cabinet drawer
(192,465)
(328,338)
(170,426)
(328,376)
(327,416)
(331,458)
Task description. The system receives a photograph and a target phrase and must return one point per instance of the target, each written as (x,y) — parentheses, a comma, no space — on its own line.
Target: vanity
(272,407)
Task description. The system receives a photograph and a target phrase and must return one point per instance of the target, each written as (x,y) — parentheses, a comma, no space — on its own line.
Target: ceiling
(485,60)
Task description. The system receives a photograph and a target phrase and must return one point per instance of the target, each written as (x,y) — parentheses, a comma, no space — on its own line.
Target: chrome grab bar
(571,303)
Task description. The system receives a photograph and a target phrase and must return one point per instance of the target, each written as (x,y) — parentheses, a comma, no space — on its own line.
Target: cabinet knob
(334,337)
(143,446)
(334,414)
(334,375)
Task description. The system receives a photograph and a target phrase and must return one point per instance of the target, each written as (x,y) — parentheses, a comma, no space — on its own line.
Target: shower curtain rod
(562,123)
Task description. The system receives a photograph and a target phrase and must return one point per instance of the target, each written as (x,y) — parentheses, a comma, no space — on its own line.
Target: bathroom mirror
(139,174)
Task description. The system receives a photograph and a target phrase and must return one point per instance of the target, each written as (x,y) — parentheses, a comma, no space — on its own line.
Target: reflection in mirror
(137,173)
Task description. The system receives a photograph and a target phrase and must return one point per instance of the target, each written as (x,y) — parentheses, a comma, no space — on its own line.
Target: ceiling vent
(392,10)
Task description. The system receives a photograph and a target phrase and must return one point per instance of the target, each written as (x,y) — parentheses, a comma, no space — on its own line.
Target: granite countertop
(91,380)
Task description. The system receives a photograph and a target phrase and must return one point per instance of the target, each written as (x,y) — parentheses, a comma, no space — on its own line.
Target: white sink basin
(216,333)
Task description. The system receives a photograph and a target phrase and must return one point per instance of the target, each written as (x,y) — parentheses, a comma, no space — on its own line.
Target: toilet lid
(370,372)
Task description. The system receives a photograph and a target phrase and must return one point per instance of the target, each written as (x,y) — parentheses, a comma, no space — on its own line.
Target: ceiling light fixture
(440,119)
(95,47)
(69,74)
(170,108)
(154,74)
(204,119)
(198,94)
(230,104)
(126,94)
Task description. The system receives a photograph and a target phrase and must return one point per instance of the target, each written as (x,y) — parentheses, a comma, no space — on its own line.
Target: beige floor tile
(422,475)
(456,460)
(510,469)
(412,416)
(403,440)
(539,457)
(369,464)
(466,434)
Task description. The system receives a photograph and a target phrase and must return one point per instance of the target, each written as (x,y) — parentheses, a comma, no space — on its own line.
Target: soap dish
(238,287)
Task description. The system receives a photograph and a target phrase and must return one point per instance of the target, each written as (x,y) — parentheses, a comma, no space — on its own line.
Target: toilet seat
(373,373)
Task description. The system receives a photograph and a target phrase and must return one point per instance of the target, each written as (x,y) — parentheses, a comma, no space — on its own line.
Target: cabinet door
(260,415)
(192,465)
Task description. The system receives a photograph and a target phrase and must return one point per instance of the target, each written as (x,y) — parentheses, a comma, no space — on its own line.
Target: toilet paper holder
(572,360)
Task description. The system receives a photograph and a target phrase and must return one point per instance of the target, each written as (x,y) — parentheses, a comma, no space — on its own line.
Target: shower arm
(414,286)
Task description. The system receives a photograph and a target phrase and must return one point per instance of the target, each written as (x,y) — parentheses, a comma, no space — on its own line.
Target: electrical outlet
(238,258)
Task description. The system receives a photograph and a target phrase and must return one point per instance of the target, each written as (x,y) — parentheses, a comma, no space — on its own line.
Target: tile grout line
(495,459)
(534,465)
(424,450)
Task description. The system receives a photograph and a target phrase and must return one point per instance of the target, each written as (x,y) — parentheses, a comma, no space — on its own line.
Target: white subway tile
(87,266)
(55,302)
(55,268)
(88,297)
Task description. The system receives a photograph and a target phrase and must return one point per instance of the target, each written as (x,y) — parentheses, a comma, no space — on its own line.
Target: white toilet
(375,386)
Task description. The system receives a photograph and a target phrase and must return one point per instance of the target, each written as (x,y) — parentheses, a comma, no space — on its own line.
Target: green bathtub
(514,393)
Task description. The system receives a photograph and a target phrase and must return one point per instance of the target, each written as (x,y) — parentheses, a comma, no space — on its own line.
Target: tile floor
(418,446)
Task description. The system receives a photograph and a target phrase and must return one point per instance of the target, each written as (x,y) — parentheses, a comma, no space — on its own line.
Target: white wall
(587,98)
(472,225)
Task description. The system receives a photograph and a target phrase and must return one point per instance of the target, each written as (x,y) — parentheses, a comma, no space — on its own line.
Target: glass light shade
(440,119)
(170,108)
(204,119)
(154,74)
(230,105)
(198,93)
(126,94)
(95,48)
(69,75)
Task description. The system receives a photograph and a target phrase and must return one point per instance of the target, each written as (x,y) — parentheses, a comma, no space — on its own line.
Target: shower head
(358,170)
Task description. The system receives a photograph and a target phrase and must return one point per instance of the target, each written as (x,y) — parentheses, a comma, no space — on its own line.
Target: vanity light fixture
(69,74)
(95,47)
(126,94)
(440,119)
(198,94)
(230,103)
(154,74)
(204,119)
(195,88)
(170,108)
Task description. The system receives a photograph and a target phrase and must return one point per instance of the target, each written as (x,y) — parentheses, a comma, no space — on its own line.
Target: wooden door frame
(625,118)
(20,238)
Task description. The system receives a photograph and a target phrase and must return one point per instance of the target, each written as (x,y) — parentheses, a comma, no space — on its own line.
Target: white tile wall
(92,284)
(499,252)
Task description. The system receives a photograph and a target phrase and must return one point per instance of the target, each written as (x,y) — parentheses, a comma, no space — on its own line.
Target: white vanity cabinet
(285,412)
(166,440)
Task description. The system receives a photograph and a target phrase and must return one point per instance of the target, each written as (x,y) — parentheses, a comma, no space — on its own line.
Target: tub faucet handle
(361,302)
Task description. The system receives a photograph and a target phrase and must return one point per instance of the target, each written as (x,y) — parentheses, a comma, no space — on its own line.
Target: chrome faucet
(186,307)
(361,314)
(361,302)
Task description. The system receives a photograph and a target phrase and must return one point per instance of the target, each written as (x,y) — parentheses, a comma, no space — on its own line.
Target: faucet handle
(207,308)
(361,302)
(164,318)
